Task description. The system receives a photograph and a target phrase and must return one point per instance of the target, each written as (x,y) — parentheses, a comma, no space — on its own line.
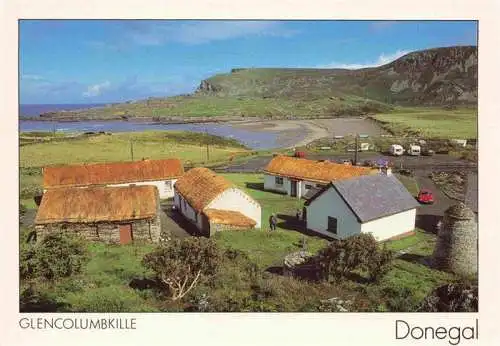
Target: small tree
(60,255)
(181,264)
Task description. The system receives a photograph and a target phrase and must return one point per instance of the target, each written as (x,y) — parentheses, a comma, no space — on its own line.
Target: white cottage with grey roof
(377,204)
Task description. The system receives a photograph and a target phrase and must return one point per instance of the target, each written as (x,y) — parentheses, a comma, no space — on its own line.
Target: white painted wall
(236,200)
(390,226)
(186,210)
(270,184)
(165,190)
(331,204)
(303,188)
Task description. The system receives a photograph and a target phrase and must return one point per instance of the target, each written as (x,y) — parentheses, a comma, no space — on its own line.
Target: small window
(332,224)
(168,184)
(279,181)
(308,186)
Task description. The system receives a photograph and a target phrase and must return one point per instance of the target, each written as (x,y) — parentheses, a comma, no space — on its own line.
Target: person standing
(298,215)
(272,222)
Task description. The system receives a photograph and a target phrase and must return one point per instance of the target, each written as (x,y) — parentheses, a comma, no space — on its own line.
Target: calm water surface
(252,139)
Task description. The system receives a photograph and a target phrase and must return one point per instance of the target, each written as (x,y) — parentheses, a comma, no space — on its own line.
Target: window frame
(332,230)
(278,180)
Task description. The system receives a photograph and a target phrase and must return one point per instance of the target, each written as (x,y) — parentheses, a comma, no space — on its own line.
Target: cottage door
(125,234)
(293,188)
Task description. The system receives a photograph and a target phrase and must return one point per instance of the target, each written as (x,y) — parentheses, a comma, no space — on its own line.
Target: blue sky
(84,61)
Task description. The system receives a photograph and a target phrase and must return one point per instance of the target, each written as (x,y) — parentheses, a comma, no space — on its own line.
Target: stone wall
(457,245)
(142,230)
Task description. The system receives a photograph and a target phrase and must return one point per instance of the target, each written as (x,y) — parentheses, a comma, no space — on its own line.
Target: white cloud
(154,34)
(31,77)
(96,89)
(381,60)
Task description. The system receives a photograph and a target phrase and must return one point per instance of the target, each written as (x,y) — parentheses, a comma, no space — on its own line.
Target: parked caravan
(364,146)
(414,150)
(396,150)
(459,142)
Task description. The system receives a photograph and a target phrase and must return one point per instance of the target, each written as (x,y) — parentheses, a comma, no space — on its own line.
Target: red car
(425,197)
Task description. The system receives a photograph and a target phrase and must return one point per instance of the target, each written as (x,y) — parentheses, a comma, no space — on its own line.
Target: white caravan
(414,150)
(396,150)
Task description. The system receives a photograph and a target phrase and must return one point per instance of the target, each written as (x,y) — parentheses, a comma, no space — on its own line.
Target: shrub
(39,299)
(59,255)
(181,264)
(400,299)
(458,297)
(22,209)
(358,252)
(108,299)
(379,263)
(27,261)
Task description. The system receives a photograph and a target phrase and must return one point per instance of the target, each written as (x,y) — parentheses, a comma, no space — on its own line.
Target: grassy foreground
(244,284)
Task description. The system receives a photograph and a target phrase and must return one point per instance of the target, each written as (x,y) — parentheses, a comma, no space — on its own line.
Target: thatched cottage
(160,173)
(296,176)
(110,214)
(213,203)
(377,204)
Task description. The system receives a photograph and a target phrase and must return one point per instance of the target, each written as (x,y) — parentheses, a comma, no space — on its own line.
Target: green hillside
(434,77)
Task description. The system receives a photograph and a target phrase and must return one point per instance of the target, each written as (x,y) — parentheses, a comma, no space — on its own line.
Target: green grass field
(410,183)
(432,122)
(119,146)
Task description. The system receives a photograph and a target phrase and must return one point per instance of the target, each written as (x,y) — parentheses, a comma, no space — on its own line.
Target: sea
(259,140)
(34,110)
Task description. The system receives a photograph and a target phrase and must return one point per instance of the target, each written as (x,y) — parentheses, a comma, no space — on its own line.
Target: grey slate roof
(311,192)
(374,196)
(471,192)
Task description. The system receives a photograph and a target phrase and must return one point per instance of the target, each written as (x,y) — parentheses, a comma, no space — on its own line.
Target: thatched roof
(316,171)
(98,204)
(111,173)
(200,186)
(229,217)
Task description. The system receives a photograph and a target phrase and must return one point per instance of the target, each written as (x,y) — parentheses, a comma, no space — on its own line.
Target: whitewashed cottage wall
(236,200)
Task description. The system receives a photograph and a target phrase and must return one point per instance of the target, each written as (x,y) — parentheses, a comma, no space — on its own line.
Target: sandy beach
(296,133)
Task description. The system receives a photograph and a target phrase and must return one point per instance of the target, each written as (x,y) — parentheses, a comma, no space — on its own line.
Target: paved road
(429,215)
(421,163)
